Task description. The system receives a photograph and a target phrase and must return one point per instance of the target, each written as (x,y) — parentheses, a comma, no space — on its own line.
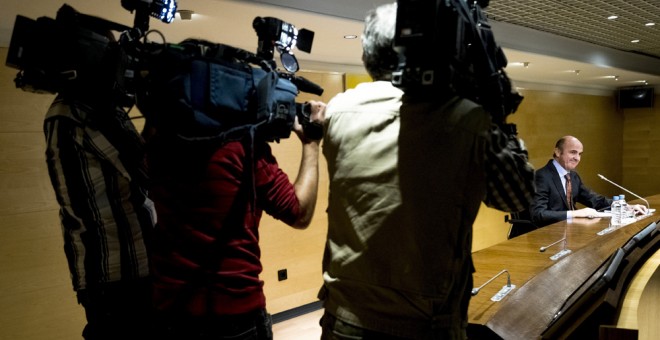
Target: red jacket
(205,256)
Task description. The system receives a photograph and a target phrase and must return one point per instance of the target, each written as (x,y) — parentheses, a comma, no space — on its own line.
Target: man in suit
(554,201)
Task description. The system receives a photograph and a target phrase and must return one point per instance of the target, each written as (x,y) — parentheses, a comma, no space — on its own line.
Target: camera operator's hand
(317,116)
(306,183)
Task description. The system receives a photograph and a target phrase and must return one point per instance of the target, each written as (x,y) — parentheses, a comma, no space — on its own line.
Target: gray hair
(378,55)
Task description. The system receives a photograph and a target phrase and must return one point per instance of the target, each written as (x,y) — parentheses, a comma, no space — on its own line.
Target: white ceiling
(551,57)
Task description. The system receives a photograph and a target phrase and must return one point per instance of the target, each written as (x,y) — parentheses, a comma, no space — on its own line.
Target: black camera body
(468,62)
(206,92)
(68,51)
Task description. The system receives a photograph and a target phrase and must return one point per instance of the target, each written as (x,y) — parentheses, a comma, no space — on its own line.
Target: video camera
(79,52)
(75,49)
(469,62)
(202,91)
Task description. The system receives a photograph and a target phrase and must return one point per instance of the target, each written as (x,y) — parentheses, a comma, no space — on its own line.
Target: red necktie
(569,191)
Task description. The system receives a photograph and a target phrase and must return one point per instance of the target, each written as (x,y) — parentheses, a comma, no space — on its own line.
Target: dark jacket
(549,204)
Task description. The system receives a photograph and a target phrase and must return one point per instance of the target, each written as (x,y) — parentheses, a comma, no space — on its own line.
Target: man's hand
(585,212)
(317,115)
(640,209)
(306,184)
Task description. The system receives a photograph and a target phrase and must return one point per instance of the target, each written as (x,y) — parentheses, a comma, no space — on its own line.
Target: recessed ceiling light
(185,14)
(524,64)
(649,24)
(350,36)
(634,41)
(612,17)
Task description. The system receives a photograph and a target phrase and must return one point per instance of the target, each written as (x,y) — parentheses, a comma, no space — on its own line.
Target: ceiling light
(350,36)
(612,17)
(634,41)
(649,24)
(185,14)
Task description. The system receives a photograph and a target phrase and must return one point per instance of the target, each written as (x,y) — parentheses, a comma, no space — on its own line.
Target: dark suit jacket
(549,204)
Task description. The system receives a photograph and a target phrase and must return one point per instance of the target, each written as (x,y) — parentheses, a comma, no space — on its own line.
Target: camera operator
(206,256)
(96,164)
(408,174)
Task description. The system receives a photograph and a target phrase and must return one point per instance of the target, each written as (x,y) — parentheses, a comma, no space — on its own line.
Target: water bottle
(626,210)
(616,212)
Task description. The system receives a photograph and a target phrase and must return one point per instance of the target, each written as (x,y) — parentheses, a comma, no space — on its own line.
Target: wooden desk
(542,284)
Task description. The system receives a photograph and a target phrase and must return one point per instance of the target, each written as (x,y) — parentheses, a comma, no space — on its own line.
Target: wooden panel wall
(544,117)
(35,291)
(641,150)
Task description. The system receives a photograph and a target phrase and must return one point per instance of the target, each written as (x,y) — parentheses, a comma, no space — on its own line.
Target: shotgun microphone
(648,208)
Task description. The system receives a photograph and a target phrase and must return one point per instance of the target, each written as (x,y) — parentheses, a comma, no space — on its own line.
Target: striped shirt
(509,175)
(104,211)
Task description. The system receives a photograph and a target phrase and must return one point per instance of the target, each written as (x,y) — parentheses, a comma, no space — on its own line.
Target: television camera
(205,91)
(75,50)
(53,54)
(468,62)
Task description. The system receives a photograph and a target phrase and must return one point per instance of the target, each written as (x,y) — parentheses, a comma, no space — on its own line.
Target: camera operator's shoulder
(469,113)
(466,106)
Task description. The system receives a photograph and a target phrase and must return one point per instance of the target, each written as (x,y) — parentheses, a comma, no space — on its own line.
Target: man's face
(569,157)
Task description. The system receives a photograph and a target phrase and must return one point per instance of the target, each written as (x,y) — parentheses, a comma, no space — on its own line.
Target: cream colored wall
(35,291)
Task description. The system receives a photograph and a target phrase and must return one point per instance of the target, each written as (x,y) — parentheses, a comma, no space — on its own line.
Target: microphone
(542,249)
(503,292)
(475,291)
(564,251)
(648,208)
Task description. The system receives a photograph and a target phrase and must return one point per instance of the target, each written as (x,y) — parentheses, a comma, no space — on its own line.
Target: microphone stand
(503,292)
(648,207)
(565,251)
(543,249)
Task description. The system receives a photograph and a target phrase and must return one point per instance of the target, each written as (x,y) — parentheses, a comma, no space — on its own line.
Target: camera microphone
(305,85)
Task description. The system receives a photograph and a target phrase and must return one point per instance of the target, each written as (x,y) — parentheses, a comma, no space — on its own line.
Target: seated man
(559,187)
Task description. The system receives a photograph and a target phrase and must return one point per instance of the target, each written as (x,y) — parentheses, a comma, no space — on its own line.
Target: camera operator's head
(378,56)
